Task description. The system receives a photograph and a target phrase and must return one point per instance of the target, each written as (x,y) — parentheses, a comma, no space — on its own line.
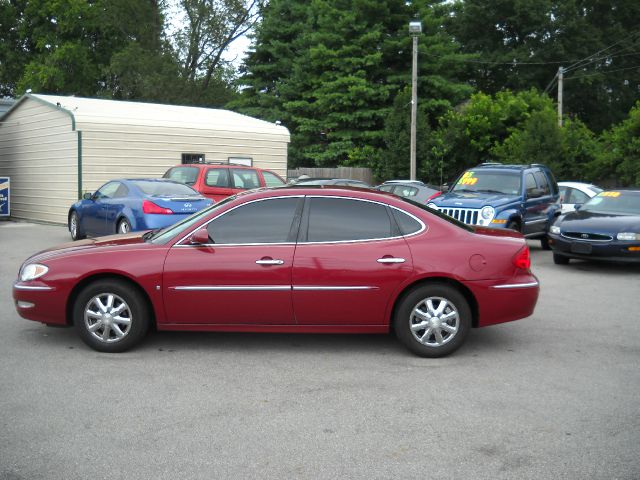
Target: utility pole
(415,28)
(560,78)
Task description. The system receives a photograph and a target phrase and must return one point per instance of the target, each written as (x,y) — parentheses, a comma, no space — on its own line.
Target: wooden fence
(354,173)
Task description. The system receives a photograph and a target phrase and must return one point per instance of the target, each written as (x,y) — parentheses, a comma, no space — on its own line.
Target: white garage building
(56,148)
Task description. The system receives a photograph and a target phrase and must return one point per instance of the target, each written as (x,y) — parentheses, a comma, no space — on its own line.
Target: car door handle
(391,260)
(269,261)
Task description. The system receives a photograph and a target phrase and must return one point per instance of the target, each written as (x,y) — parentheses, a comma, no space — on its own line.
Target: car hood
(473,200)
(592,222)
(90,243)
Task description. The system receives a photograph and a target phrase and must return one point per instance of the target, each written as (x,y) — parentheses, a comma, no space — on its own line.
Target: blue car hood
(592,222)
(473,200)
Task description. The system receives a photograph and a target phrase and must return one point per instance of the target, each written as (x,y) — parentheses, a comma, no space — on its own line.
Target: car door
(94,215)
(349,261)
(217,183)
(113,206)
(243,277)
(537,202)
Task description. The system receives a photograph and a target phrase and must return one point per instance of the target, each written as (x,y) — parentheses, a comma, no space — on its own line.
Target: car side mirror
(199,237)
(87,196)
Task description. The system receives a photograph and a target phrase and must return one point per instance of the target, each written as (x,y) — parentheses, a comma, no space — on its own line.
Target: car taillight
(150,207)
(522,259)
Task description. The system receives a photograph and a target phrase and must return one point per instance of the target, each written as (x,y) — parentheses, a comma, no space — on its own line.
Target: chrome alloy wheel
(124,227)
(107,317)
(434,321)
(74,226)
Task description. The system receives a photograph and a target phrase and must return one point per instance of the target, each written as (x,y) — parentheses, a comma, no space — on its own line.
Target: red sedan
(294,259)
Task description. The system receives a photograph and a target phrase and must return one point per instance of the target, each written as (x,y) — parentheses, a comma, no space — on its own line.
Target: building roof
(94,111)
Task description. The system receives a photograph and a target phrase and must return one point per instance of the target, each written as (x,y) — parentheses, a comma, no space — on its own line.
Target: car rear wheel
(433,320)
(110,316)
(560,259)
(124,226)
(74,227)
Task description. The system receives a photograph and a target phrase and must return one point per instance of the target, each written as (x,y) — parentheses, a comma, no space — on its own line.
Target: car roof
(500,166)
(577,185)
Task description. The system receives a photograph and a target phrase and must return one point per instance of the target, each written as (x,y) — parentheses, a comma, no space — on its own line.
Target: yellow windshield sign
(468,179)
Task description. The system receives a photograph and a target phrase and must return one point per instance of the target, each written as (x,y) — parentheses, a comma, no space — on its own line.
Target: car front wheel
(110,316)
(433,320)
(74,227)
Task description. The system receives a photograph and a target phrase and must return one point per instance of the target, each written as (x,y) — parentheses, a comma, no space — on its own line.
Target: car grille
(596,237)
(465,215)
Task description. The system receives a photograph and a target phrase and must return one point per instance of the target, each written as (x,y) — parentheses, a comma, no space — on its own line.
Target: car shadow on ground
(478,342)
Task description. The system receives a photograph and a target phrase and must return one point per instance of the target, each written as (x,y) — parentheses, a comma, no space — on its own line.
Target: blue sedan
(120,206)
(607,227)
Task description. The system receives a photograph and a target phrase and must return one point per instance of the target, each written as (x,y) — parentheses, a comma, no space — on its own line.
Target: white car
(576,193)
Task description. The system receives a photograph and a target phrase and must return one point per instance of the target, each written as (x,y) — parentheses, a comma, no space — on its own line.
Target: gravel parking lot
(554,396)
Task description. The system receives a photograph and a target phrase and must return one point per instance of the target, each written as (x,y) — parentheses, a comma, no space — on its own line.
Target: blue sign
(5,211)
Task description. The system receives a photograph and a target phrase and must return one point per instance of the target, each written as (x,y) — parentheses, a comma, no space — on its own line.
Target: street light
(415,29)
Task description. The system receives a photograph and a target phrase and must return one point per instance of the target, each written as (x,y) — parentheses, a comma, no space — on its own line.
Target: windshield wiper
(488,190)
(148,235)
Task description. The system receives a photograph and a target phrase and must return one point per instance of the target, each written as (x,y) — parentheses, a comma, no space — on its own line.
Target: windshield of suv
(186,175)
(506,182)
(617,202)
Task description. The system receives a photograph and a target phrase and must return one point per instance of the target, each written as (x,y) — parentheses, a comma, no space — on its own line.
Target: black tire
(544,243)
(424,342)
(560,259)
(74,227)
(119,339)
(123,226)
(513,225)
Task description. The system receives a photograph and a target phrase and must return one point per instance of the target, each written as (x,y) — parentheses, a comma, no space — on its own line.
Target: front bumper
(39,302)
(589,250)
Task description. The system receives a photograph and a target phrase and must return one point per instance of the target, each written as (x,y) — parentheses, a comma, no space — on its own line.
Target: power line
(517,63)
(588,58)
(602,73)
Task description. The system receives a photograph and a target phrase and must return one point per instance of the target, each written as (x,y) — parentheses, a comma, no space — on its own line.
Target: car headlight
(487,213)
(628,236)
(32,271)
(555,229)
(433,206)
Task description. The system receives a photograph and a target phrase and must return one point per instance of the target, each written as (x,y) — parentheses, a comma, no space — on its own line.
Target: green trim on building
(79,164)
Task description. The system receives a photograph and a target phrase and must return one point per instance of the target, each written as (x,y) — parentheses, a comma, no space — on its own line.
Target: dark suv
(519,197)
(221,180)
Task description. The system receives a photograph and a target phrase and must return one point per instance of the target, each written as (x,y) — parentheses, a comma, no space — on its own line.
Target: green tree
(520,45)
(618,159)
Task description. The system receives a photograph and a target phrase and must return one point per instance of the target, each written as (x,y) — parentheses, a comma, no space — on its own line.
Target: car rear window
(186,175)
(160,188)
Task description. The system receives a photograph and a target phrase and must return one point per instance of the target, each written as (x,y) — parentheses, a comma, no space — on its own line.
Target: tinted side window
(338,219)
(108,191)
(387,188)
(245,178)
(217,177)
(271,180)
(266,221)
(530,183)
(578,197)
(407,224)
(543,184)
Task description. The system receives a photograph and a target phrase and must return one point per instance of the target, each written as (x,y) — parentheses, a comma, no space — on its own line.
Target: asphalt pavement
(554,396)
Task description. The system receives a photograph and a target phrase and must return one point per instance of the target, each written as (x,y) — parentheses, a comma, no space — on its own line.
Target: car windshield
(617,202)
(164,235)
(186,175)
(489,181)
(159,188)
